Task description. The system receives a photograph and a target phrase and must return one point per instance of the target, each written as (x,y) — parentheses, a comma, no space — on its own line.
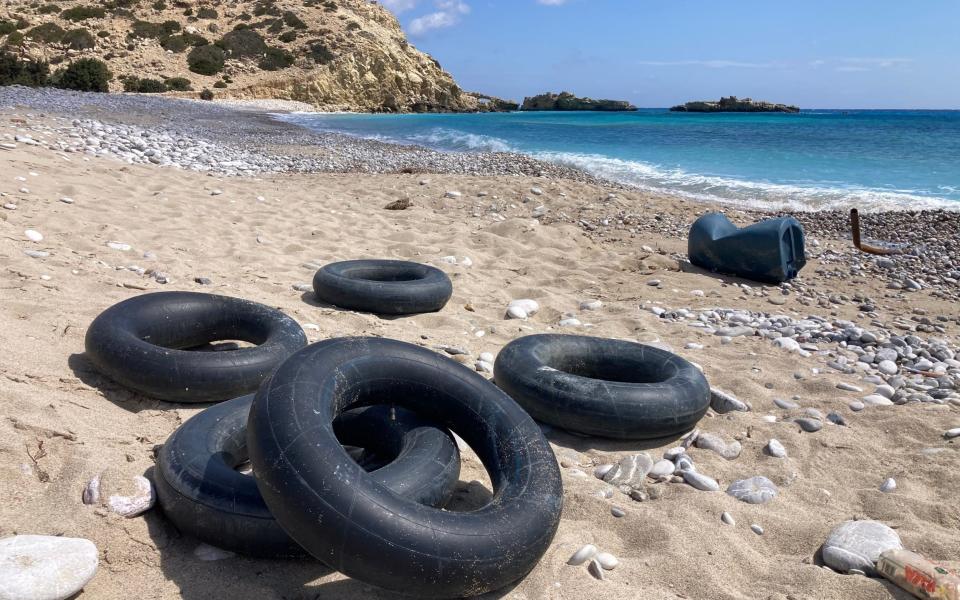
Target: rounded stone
(662,468)
(756,490)
(727,518)
(889,485)
(809,425)
(858,545)
(40,567)
(775,449)
(701,481)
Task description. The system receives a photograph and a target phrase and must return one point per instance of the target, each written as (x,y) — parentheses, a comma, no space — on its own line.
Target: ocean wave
(457,140)
(753,194)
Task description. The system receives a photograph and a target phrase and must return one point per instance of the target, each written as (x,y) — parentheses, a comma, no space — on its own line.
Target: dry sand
(61,423)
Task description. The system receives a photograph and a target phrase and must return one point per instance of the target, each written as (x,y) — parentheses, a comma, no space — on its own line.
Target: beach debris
(606,560)
(582,555)
(700,481)
(775,449)
(708,441)
(208,553)
(595,569)
(755,490)
(858,545)
(888,485)
(756,529)
(522,309)
(33,235)
(724,402)
(859,245)
(401,204)
(918,575)
(727,518)
(41,567)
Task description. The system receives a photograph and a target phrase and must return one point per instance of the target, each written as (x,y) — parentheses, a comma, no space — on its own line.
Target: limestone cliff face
(567,101)
(332,54)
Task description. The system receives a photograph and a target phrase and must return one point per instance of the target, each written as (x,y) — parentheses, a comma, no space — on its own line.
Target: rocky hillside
(332,54)
(567,101)
(734,104)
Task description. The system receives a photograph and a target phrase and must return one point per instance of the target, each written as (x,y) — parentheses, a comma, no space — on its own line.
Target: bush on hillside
(48,33)
(288,36)
(7,27)
(143,86)
(206,95)
(275,59)
(220,85)
(178,84)
(179,43)
(82,13)
(79,39)
(85,75)
(241,43)
(292,20)
(146,29)
(207,13)
(14,39)
(14,71)
(206,60)
(321,53)
(49,9)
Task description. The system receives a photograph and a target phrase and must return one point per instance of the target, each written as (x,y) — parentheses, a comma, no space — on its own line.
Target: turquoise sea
(871,159)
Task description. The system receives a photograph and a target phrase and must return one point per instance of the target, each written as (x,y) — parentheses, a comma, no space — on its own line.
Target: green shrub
(49,9)
(103,34)
(14,39)
(207,13)
(187,12)
(321,53)
(179,43)
(14,71)
(49,33)
(206,60)
(288,36)
(266,7)
(220,84)
(144,86)
(353,26)
(7,27)
(292,20)
(275,59)
(79,39)
(85,75)
(276,26)
(241,43)
(206,95)
(159,5)
(245,16)
(146,29)
(178,84)
(82,13)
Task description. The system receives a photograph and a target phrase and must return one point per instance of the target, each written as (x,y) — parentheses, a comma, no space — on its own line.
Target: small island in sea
(734,104)
(567,101)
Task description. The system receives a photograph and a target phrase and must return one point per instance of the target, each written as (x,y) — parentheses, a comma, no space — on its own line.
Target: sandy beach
(529,230)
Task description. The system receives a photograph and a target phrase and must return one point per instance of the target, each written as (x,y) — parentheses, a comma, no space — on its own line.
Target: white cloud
(448,14)
(399,6)
(712,64)
(552,2)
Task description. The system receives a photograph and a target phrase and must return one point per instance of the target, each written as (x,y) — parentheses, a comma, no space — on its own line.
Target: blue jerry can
(770,251)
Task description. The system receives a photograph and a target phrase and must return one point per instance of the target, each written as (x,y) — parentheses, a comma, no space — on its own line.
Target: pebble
(453,194)
(727,518)
(653,282)
(608,561)
(952,433)
(889,485)
(570,322)
(216,192)
(755,490)
(66,200)
(630,471)
(724,402)
(701,481)
(582,555)
(888,367)
(708,441)
(33,235)
(877,400)
(483,366)
(858,545)
(849,387)
(809,425)
(119,246)
(775,448)
(756,529)
(487,357)
(785,404)
(856,406)
(303,287)
(595,569)
(617,512)
(523,308)
(602,470)
(208,553)
(202,280)
(884,390)
(836,418)
(41,567)
(36,253)
(591,305)
(733,332)
(10,206)
(137,503)
(662,468)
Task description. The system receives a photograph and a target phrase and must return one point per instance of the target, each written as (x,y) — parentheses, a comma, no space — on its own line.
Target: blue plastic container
(770,251)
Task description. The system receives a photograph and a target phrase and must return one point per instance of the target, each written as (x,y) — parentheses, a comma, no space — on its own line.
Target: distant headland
(567,101)
(734,104)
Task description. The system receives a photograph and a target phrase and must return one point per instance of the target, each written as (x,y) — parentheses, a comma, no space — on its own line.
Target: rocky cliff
(733,104)
(332,54)
(567,101)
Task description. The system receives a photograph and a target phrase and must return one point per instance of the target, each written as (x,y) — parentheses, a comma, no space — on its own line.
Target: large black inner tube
(140,343)
(204,495)
(387,287)
(603,387)
(344,517)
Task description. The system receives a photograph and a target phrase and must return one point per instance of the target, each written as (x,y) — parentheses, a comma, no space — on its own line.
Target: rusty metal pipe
(855,229)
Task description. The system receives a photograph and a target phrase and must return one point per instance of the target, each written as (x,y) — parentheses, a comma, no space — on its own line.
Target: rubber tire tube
(140,343)
(348,520)
(603,387)
(385,287)
(202,493)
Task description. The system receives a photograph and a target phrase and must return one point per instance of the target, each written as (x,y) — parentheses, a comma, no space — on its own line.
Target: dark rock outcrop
(567,101)
(733,104)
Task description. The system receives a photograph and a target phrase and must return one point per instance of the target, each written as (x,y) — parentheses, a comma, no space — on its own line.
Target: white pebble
(216,192)
(40,567)
(591,305)
(33,235)
(952,433)
(776,449)
(137,503)
(119,246)
(889,485)
(608,561)
(756,529)
(727,518)
(66,200)
(582,555)
(453,194)
(450,260)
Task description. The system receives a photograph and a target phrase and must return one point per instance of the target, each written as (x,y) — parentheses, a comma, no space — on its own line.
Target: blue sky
(817,54)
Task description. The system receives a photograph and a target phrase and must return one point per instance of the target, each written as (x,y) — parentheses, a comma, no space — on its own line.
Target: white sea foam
(754,194)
